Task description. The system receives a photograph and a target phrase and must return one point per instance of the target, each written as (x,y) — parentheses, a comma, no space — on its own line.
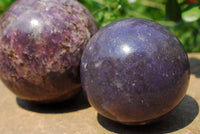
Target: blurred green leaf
(4,4)
(191,15)
(161,11)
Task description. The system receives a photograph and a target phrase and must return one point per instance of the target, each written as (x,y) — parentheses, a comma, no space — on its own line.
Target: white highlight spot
(85,65)
(142,101)
(126,49)
(34,23)
(165,75)
(98,64)
(141,37)
(118,85)
(62,52)
(133,84)
(131,1)
(149,34)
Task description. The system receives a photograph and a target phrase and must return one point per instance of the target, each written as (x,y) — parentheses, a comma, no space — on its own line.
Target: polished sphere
(134,71)
(41,43)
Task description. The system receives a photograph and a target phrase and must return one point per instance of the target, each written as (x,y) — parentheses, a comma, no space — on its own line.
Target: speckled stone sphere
(134,71)
(41,43)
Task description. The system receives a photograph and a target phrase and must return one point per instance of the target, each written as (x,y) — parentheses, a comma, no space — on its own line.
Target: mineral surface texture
(134,71)
(41,43)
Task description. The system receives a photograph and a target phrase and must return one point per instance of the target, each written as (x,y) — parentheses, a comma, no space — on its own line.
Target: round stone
(134,71)
(41,43)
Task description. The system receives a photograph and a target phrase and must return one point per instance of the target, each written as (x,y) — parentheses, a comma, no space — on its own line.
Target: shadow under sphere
(76,103)
(180,117)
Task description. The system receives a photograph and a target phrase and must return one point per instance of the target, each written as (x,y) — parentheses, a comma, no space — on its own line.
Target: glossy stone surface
(41,43)
(134,71)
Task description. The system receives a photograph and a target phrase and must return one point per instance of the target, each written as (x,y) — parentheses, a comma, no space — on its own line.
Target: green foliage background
(181,18)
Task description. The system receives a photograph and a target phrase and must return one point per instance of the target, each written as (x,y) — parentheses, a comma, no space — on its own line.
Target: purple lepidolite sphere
(134,71)
(41,43)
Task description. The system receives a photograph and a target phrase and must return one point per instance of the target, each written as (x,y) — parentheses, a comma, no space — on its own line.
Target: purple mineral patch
(134,71)
(41,43)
